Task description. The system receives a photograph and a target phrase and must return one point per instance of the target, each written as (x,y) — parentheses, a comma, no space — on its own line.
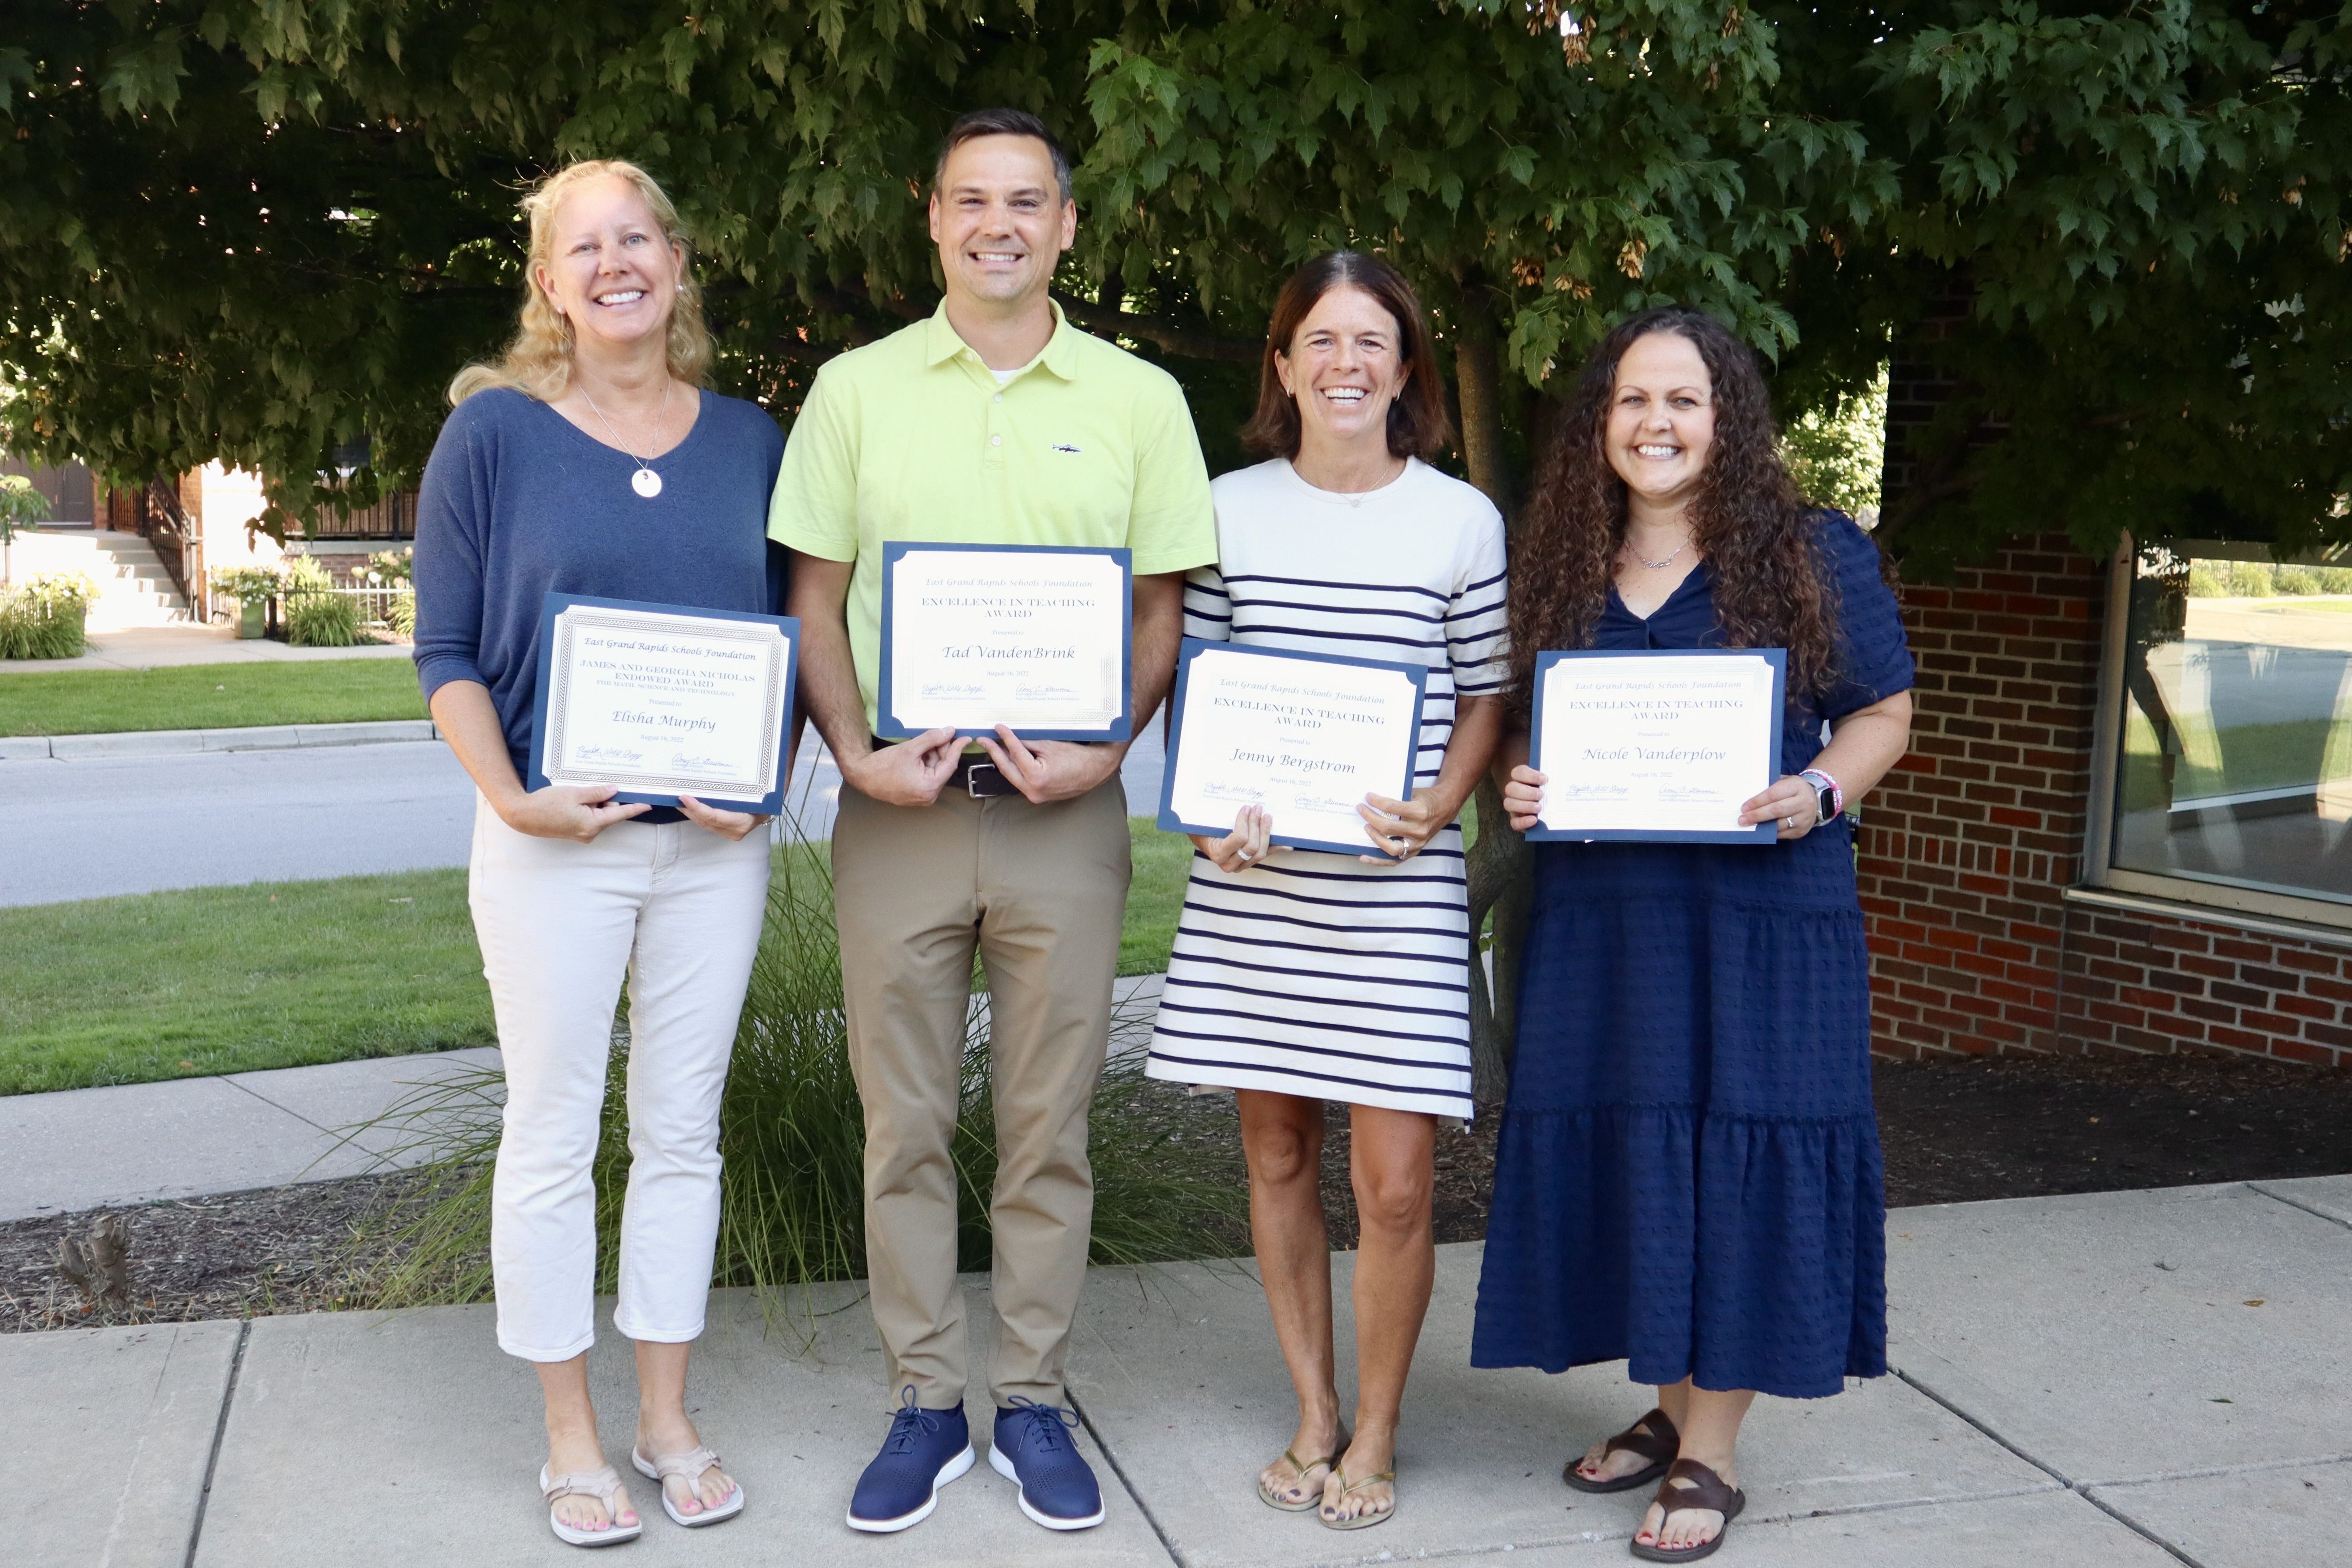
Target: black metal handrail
(167,526)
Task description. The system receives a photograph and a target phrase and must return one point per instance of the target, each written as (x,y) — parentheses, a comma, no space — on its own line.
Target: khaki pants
(1039,891)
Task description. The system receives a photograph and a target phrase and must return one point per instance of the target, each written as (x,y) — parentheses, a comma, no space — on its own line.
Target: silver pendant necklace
(645,481)
(1658,565)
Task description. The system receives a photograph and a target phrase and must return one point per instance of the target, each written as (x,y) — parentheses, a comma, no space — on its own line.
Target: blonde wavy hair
(538,362)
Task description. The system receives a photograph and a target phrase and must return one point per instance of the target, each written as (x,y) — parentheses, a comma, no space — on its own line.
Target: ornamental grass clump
(792,1139)
(316,615)
(43,618)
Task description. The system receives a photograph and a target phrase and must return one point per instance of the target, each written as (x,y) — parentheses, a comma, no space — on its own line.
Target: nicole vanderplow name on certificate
(1669,743)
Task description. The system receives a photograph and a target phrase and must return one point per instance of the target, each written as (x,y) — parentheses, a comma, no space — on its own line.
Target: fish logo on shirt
(1066,446)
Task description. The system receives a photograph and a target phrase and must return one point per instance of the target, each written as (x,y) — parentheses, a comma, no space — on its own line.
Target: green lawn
(208,696)
(211,980)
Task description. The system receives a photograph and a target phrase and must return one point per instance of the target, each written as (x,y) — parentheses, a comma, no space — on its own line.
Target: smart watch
(1829,798)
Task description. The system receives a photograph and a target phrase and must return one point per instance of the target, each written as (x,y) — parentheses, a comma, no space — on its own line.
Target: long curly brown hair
(1749,525)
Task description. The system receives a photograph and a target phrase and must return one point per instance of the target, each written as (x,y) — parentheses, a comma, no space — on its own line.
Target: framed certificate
(661,701)
(1039,637)
(1304,735)
(1665,744)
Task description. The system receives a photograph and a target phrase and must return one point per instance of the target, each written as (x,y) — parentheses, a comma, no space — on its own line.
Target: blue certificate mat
(1662,744)
(1037,637)
(1305,735)
(661,701)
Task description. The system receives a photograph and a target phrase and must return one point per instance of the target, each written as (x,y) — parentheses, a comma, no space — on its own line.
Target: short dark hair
(1002,122)
(1418,425)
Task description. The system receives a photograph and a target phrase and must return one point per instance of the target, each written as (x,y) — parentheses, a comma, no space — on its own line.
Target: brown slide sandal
(1688,1486)
(1653,1437)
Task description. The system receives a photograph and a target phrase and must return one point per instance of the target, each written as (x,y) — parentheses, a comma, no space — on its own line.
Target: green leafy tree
(2123,232)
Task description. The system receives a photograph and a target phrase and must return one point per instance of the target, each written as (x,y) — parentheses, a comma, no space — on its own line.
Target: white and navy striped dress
(1313,973)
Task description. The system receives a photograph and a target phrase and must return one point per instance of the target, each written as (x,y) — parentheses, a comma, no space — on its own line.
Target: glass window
(2235,765)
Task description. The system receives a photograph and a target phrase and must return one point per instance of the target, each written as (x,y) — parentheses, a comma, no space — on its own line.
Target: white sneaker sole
(1004,1467)
(947,1472)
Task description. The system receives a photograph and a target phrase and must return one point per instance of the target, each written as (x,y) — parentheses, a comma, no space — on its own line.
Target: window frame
(2209,899)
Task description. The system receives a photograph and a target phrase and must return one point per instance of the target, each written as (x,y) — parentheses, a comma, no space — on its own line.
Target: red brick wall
(1967,845)
(2153,983)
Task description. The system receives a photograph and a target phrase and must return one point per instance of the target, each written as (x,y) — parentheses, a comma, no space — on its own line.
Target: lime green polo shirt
(911,438)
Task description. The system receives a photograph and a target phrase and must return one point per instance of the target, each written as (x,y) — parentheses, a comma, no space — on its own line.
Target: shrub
(792,1139)
(2335,579)
(2209,580)
(393,565)
(43,619)
(2296,580)
(316,615)
(245,584)
(2250,580)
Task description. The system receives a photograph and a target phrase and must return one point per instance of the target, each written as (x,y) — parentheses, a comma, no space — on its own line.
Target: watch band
(1825,785)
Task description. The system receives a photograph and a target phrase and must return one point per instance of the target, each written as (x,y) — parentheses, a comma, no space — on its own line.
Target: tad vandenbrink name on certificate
(1034,638)
(661,701)
(1662,745)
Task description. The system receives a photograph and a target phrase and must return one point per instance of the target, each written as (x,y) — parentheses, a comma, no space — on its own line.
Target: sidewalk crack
(2079,1489)
(273,1104)
(2294,1203)
(1119,1471)
(220,1431)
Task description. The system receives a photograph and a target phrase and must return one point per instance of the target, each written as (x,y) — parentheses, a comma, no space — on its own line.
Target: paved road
(135,824)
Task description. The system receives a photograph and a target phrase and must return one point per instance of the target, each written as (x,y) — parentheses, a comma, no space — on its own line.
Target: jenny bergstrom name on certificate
(1656,744)
(662,701)
(1306,738)
(1032,638)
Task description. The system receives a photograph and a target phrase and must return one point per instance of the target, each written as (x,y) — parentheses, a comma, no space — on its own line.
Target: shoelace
(1044,1421)
(911,1421)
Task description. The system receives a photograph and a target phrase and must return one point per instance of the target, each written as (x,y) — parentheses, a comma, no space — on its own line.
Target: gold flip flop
(1265,1494)
(1362,1520)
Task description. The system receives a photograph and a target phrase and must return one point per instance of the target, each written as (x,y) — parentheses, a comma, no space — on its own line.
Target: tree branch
(1166,336)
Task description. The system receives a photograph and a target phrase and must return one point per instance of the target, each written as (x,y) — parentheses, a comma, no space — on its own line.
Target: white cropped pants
(677,909)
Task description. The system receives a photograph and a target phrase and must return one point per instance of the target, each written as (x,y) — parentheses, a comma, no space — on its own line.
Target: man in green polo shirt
(995,422)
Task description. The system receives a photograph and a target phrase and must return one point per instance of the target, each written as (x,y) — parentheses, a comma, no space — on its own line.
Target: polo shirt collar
(942,344)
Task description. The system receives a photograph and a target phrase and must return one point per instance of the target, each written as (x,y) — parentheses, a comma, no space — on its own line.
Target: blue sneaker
(1030,1447)
(925,1449)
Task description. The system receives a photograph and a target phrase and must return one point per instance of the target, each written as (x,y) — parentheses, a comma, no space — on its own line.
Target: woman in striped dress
(1299,976)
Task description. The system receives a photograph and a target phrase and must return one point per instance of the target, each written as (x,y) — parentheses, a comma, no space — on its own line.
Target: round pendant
(646,483)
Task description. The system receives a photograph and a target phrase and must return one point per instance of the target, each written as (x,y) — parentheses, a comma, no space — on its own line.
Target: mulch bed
(1954,1132)
(283,1249)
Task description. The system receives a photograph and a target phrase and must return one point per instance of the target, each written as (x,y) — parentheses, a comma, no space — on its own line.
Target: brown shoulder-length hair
(1748,520)
(1418,426)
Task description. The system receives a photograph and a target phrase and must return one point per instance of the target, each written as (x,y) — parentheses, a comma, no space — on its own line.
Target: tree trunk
(1496,857)
(1478,379)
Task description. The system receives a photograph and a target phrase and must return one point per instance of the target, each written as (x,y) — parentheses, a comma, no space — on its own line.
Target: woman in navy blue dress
(1688,1172)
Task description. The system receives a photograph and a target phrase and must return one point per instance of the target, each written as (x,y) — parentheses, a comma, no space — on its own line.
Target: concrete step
(135,590)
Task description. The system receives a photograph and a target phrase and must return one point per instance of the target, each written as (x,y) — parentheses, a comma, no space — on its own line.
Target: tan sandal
(604,1484)
(1305,1468)
(689,1468)
(1361,1520)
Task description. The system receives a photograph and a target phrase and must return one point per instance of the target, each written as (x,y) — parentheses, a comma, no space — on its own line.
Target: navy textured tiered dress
(1688,1171)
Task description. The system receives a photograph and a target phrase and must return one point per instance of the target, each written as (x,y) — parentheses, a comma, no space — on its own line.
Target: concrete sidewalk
(135,1143)
(2130,1379)
(191,1137)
